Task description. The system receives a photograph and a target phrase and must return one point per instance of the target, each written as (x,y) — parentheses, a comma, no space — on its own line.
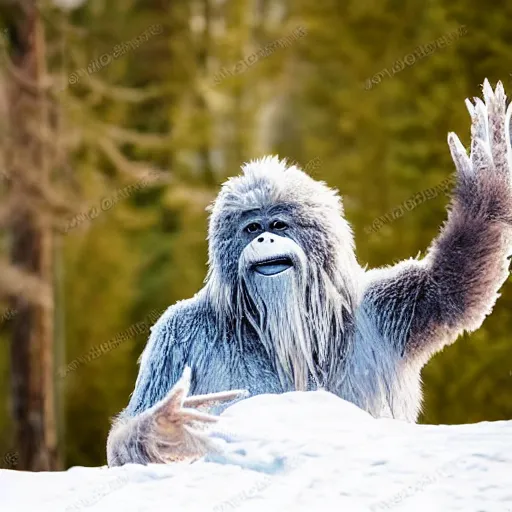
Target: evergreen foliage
(368,93)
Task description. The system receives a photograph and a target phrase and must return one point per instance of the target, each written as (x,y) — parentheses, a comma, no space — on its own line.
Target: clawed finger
(214,398)
(481,157)
(496,106)
(480,122)
(176,396)
(193,415)
(181,389)
(459,155)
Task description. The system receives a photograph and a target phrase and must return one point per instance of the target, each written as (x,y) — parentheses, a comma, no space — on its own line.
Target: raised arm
(423,305)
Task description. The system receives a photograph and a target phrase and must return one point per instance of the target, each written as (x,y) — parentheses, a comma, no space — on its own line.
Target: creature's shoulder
(168,351)
(183,322)
(392,284)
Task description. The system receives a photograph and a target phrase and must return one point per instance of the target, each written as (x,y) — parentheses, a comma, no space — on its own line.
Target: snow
(297,451)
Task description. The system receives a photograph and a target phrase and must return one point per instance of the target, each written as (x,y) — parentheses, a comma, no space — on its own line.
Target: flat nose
(266,238)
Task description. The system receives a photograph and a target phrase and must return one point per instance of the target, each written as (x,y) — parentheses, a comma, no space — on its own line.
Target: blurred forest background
(120,119)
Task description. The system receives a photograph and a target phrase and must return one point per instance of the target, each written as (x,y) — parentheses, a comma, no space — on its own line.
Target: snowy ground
(298,451)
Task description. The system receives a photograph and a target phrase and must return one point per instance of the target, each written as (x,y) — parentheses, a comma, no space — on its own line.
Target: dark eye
(253,227)
(278,225)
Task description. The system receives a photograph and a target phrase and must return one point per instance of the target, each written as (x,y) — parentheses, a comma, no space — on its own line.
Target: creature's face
(282,264)
(270,248)
(273,220)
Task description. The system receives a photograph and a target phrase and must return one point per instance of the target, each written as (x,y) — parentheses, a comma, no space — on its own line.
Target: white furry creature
(287,307)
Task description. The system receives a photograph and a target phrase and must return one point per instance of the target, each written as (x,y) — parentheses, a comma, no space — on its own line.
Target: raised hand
(484,177)
(179,426)
(174,429)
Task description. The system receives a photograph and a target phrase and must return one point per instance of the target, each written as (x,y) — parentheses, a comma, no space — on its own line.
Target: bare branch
(126,94)
(19,283)
(145,140)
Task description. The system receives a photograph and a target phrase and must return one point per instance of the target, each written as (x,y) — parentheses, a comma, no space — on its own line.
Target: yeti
(285,305)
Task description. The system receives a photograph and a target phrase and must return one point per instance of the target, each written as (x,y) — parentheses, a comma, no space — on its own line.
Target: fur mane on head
(269,180)
(324,297)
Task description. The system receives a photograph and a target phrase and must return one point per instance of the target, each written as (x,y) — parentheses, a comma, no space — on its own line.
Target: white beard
(299,321)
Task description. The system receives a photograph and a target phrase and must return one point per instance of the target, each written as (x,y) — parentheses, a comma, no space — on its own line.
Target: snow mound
(297,451)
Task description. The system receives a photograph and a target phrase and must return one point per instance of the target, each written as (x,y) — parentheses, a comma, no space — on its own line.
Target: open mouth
(273,266)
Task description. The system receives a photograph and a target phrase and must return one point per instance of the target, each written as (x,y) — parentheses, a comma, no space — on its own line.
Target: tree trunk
(31,237)
(205,143)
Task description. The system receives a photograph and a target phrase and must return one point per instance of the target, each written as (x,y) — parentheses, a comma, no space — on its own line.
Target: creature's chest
(372,377)
(229,367)
(377,379)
